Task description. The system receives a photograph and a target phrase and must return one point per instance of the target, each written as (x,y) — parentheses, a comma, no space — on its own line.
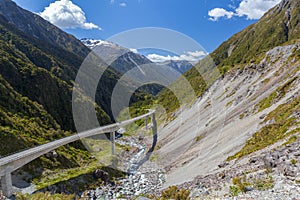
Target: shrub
(264,183)
(237,181)
(234,190)
(44,196)
(174,193)
(294,162)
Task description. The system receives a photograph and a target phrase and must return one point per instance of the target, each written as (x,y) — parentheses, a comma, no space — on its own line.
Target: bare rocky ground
(272,173)
(216,117)
(218,125)
(143,178)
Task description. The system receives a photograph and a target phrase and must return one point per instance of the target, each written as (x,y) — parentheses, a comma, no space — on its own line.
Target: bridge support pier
(112,140)
(113,151)
(154,124)
(6,185)
(146,123)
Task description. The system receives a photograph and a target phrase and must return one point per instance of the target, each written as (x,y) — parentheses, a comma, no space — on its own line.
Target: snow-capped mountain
(120,58)
(124,59)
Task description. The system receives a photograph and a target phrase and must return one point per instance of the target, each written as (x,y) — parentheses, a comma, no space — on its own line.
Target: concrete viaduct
(13,162)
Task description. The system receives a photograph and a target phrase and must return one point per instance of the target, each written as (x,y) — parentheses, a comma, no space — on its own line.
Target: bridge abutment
(6,185)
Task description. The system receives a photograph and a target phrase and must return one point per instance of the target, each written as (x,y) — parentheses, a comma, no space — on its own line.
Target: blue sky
(209,22)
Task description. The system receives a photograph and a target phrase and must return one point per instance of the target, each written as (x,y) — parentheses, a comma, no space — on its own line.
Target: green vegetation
(294,161)
(274,132)
(267,80)
(198,138)
(25,124)
(269,32)
(234,190)
(291,140)
(83,178)
(173,192)
(276,95)
(154,157)
(36,86)
(231,94)
(241,116)
(240,184)
(44,196)
(228,104)
(36,80)
(264,183)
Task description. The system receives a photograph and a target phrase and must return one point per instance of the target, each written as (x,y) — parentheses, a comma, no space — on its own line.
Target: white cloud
(65,14)
(123,4)
(255,9)
(252,9)
(217,13)
(189,56)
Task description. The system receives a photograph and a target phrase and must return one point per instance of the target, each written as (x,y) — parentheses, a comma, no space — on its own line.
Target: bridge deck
(11,163)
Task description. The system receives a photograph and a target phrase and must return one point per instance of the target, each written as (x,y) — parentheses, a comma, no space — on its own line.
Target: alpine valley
(238,139)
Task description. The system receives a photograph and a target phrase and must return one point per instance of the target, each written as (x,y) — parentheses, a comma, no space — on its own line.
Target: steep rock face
(247,109)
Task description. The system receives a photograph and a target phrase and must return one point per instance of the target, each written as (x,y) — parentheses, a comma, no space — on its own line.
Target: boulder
(51,154)
(271,160)
(287,169)
(290,171)
(253,160)
(224,164)
(103,175)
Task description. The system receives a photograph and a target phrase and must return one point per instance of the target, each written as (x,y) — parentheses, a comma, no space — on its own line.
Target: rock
(287,169)
(103,175)
(292,149)
(297,153)
(223,164)
(253,160)
(248,189)
(51,154)
(262,116)
(290,171)
(222,175)
(141,138)
(271,160)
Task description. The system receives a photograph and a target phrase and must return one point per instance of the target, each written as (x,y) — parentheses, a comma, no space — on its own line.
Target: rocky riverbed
(144,177)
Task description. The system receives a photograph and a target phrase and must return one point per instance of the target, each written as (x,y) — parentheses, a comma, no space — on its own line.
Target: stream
(143,179)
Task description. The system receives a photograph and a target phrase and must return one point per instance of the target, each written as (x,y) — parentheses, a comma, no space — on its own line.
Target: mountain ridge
(34,25)
(261,36)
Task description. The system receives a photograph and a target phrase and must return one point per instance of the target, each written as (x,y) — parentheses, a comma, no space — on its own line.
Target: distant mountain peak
(91,43)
